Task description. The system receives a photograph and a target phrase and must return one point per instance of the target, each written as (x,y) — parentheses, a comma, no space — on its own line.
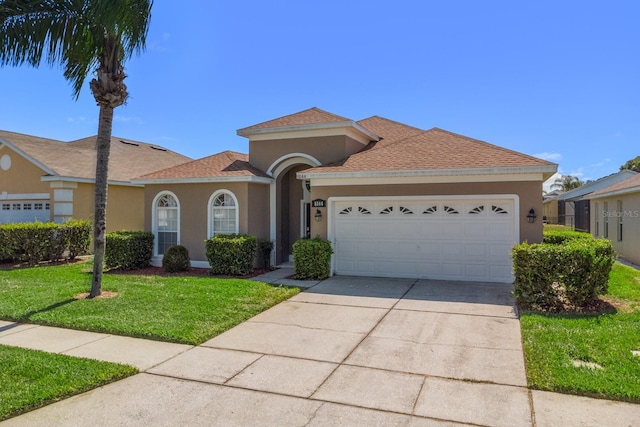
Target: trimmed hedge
(312,258)
(176,259)
(557,237)
(128,250)
(231,254)
(34,242)
(574,271)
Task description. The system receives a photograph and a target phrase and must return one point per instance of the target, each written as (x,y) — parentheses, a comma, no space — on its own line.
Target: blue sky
(556,79)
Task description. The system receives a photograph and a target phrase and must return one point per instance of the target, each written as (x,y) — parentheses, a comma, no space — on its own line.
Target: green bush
(549,275)
(175,259)
(128,250)
(231,254)
(312,258)
(77,235)
(557,237)
(31,242)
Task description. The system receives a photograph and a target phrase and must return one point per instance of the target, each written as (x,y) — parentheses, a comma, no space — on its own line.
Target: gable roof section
(225,166)
(76,160)
(313,115)
(599,184)
(437,151)
(626,186)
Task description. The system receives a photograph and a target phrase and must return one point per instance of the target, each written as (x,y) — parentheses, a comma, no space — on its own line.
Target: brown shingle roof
(388,130)
(225,164)
(307,117)
(433,150)
(626,184)
(77,159)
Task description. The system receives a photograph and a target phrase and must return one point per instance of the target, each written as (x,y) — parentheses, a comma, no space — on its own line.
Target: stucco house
(574,205)
(47,180)
(394,200)
(616,216)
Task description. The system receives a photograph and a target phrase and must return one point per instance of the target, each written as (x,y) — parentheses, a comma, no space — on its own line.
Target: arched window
(223,213)
(166,222)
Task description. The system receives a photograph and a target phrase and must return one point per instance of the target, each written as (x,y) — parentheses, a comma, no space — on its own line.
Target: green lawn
(183,309)
(554,343)
(187,310)
(30,379)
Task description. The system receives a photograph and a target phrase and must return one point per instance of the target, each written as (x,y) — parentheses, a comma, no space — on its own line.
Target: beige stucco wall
(529,192)
(253,201)
(550,210)
(125,206)
(23,177)
(326,149)
(629,246)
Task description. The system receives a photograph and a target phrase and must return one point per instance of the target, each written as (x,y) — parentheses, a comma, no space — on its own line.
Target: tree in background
(566,183)
(84,36)
(633,164)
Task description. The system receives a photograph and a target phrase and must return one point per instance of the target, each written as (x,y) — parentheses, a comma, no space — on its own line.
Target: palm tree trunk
(103,144)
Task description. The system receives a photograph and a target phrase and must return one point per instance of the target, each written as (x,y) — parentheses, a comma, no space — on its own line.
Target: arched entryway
(290,204)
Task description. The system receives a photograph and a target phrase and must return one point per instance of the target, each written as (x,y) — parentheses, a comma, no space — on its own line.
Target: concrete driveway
(348,351)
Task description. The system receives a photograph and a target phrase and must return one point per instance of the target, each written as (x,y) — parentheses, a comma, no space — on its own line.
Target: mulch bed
(597,306)
(191,272)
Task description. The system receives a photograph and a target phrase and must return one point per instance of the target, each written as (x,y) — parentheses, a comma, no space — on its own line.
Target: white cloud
(600,164)
(549,156)
(128,119)
(78,119)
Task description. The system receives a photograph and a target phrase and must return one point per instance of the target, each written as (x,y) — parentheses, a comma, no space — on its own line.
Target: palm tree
(84,36)
(567,182)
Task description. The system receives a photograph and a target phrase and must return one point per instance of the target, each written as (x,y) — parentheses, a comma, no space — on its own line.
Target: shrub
(312,258)
(231,254)
(128,250)
(557,237)
(77,236)
(575,271)
(175,259)
(31,242)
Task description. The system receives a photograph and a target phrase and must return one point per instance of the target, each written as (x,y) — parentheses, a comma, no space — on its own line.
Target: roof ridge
(390,120)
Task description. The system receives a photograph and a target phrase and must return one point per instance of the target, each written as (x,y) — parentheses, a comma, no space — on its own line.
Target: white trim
(24,196)
(210,211)
(253,179)
(425,173)
(331,200)
(154,218)
(621,192)
(439,179)
(49,178)
(272,221)
(63,184)
(351,128)
(291,159)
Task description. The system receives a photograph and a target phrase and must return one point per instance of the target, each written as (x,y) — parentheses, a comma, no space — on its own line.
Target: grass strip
(30,379)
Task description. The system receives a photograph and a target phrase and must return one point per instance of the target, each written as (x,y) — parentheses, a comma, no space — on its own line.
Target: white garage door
(24,211)
(454,238)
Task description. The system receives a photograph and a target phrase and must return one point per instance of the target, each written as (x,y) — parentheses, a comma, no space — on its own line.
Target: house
(394,200)
(550,207)
(47,180)
(617,216)
(574,205)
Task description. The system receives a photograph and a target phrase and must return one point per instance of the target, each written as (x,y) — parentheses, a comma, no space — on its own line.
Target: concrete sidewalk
(348,351)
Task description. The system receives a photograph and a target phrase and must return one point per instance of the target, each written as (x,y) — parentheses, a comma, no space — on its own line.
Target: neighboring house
(617,216)
(394,200)
(574,207)
(550,213)
(46,180)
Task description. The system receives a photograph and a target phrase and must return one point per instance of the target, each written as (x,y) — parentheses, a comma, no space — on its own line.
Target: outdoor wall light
(318,215)
(531,216)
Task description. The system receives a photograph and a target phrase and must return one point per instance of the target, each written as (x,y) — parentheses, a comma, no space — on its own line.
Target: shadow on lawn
(27,316)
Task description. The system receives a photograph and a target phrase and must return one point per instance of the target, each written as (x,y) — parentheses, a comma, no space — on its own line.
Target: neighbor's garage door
(24,211)
(455,238)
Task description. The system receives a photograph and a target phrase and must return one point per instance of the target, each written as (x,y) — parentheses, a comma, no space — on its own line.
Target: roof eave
(621,192)
(545,170)
(203,180)
(52,178)
(248,132)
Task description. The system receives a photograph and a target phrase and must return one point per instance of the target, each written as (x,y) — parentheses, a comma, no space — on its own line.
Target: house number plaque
(318,203)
